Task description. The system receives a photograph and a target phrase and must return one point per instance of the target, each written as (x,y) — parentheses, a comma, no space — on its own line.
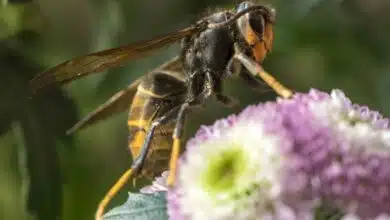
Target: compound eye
(256,28)
(256,22)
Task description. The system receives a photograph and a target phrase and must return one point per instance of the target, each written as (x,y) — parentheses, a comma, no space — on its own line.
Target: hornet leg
(215,85)
(255,69)
(136,167)
(176,144)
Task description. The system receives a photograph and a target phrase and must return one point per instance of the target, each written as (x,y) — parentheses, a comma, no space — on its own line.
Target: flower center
(224,170)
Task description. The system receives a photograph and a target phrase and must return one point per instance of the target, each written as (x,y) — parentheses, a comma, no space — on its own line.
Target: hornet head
(255,28)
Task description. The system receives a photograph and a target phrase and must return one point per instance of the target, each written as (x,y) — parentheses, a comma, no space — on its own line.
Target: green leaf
(41,120)
(140,207)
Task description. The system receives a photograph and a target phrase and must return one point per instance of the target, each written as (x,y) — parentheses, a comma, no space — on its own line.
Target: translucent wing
(121,100)
(102,60)
(116,104)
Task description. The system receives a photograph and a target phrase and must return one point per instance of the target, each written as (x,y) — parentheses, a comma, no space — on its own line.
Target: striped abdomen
(158,93)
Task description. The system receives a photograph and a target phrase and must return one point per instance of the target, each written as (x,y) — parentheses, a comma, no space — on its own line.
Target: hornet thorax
(205,57)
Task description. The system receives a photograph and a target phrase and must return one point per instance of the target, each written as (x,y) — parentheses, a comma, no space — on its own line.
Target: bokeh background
(47,175)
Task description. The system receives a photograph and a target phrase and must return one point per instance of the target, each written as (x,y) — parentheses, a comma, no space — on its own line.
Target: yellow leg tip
(111,193)
(98,216)
(286,93)
(173,162)
(171,180)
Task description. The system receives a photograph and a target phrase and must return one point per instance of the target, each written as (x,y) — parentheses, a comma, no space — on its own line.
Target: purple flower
(283,159)
(357,175)
(256,165)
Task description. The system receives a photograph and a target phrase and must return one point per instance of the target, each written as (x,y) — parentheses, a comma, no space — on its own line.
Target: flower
(357,176)
(284,159)
(255,165)
(358,125)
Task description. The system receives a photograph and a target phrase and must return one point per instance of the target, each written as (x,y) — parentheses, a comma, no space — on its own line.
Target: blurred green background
(44,173)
